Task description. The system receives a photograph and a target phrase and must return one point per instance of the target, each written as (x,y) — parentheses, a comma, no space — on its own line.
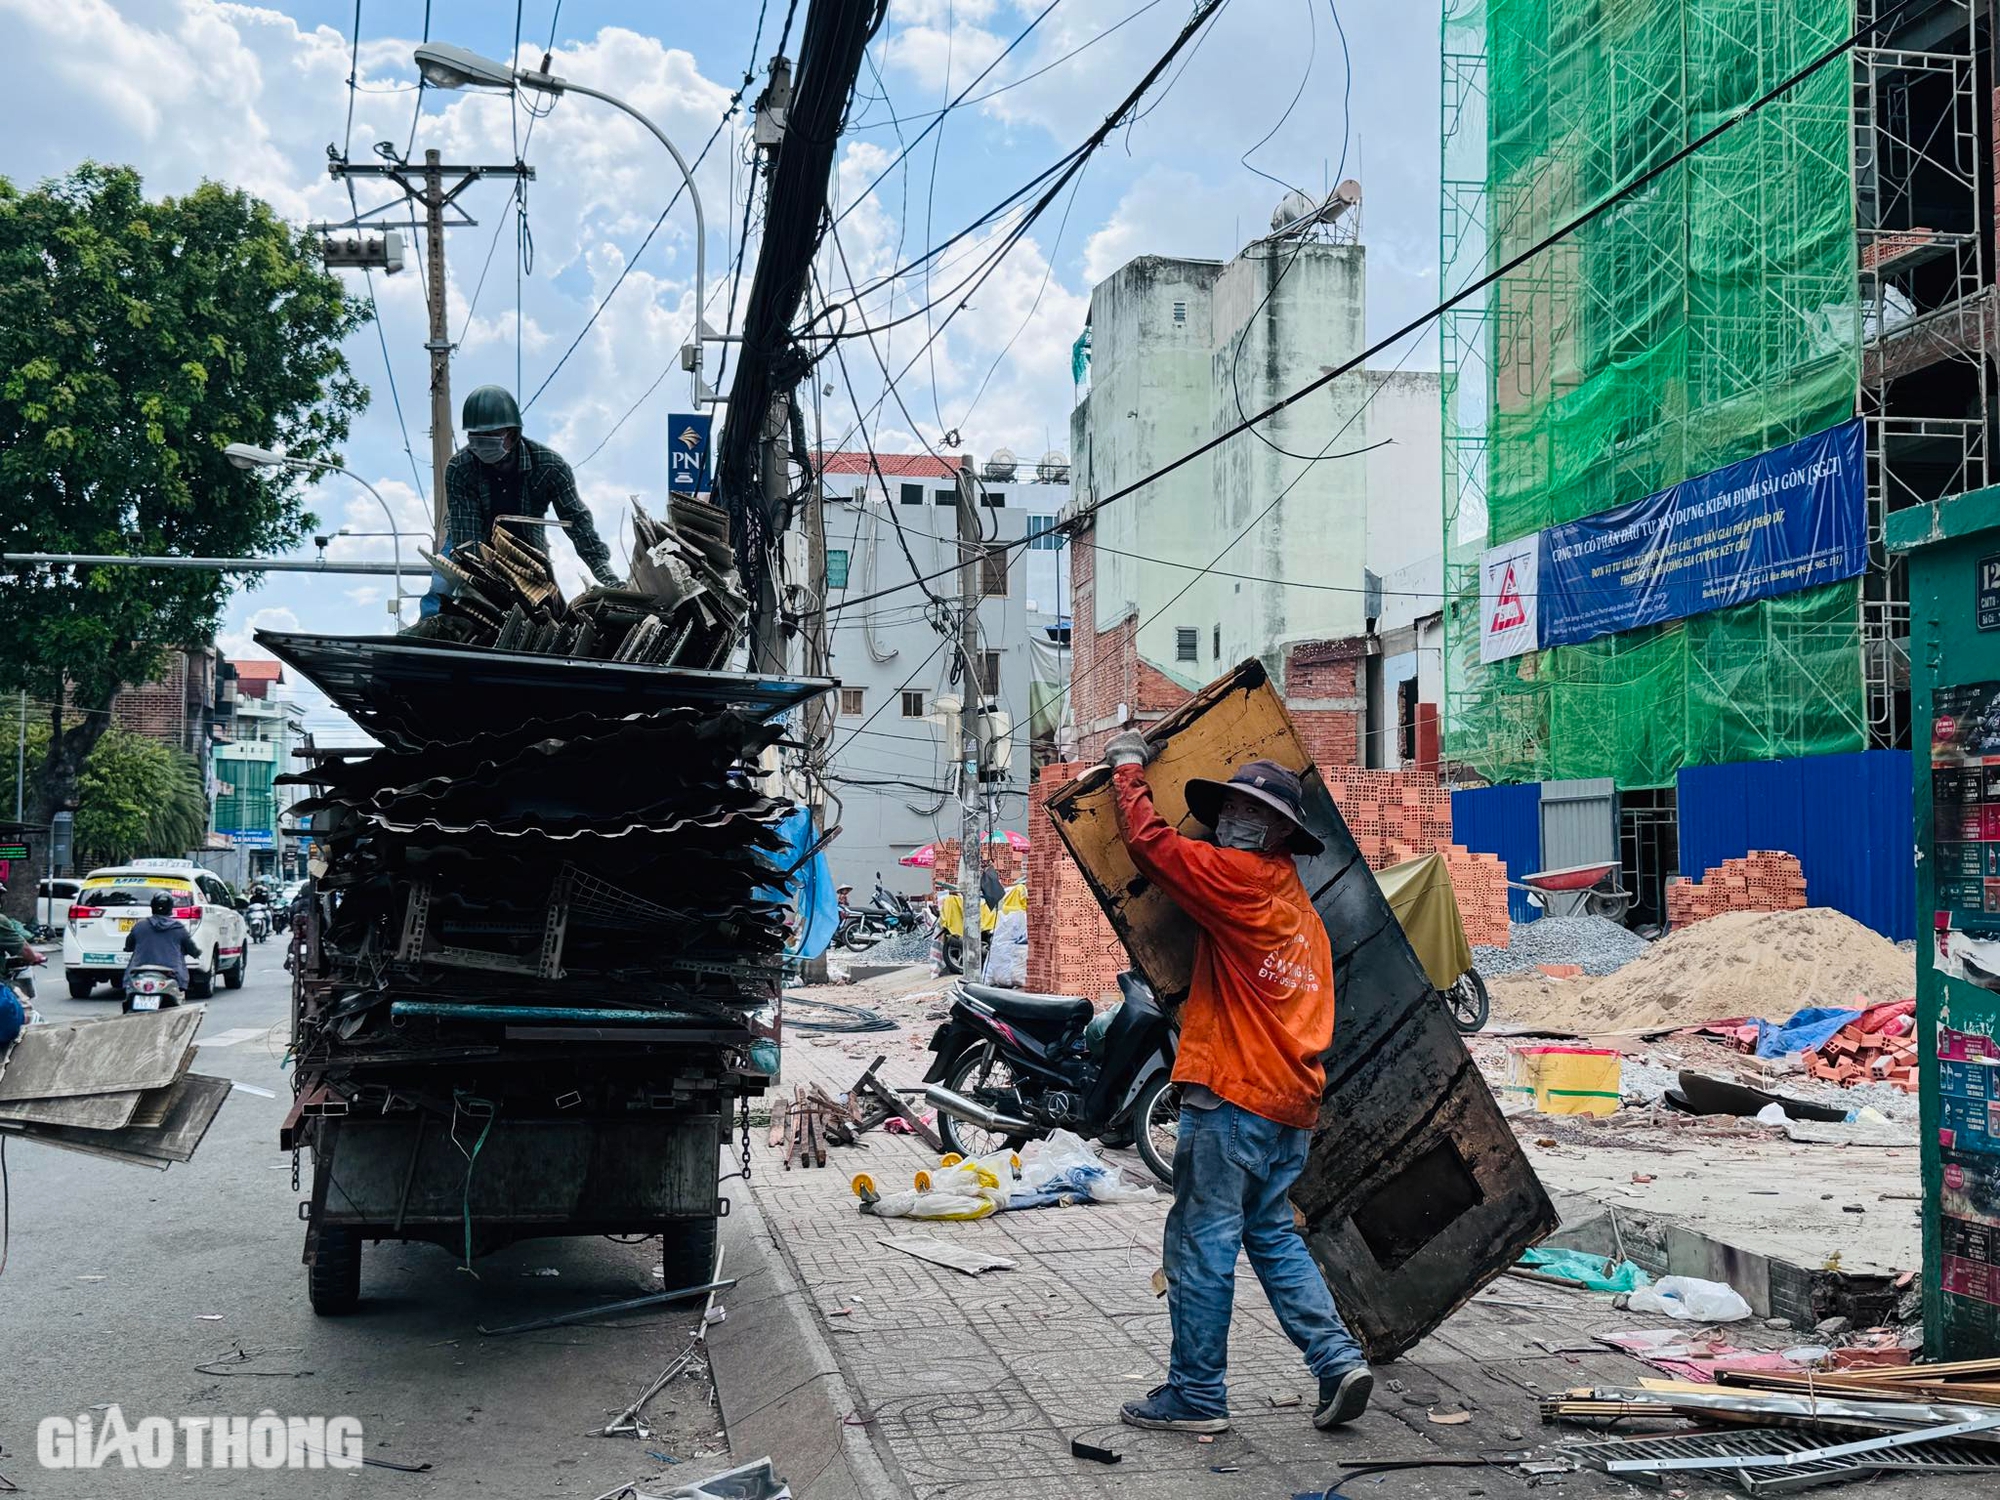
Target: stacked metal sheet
(118,1088)
(681,607)
(538,842)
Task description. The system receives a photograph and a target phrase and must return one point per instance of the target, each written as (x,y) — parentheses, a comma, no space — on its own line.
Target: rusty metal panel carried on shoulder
(1416,1193)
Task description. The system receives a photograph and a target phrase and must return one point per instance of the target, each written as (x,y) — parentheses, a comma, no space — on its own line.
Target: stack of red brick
(1399,815)
(1071,947)
(1763,880)
(1479,881)
(1003,860)
(1393,815)
(1879,1045)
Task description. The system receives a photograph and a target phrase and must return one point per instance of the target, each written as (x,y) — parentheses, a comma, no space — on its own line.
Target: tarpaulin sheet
(1806,1030)
(1419,893)
(1786,520)
(810,889)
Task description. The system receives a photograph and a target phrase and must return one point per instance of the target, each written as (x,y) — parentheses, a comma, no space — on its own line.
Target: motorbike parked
(1010,1066)
(257,917)
(152,987)
(887,914)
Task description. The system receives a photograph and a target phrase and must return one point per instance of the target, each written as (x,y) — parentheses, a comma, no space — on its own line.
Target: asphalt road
(120,1281)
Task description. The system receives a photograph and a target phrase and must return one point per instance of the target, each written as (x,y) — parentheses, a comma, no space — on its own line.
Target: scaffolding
(1823,258)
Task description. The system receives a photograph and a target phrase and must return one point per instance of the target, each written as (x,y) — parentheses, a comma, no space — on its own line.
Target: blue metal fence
(1848,818)
(1507,821)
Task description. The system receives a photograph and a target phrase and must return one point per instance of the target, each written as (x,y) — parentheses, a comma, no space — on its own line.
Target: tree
(137,340)
(137,797)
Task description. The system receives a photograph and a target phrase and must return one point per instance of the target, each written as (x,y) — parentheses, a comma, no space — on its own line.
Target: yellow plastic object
(1566,1080)
(1016,898)
(951,913)
(950,1159)
(862,1185)
(921,1182)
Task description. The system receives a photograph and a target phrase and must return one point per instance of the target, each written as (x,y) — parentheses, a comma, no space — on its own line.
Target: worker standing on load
(499,472)
(1258,1016)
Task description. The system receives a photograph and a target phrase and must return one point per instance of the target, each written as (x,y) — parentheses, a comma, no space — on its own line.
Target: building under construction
(1828,258)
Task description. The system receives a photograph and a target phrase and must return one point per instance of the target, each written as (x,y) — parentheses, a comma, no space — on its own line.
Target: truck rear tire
(333,1280)
(687,1251)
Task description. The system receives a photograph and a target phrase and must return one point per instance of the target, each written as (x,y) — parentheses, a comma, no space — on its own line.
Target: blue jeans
(1232,1171)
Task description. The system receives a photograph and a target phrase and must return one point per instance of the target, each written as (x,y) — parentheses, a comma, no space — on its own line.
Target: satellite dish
(1053,467)
(1001,465)
(1295,208)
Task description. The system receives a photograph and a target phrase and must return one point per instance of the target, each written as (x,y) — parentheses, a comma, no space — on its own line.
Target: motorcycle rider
(16,941)
(162,941)
(1258,1016)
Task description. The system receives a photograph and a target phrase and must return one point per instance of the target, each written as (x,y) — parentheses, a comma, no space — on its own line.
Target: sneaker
(1343,1397)
(1166,1410)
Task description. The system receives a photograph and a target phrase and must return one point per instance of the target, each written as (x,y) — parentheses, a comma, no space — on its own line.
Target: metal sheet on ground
(87,1111)
(1416,1193)
(113,1056)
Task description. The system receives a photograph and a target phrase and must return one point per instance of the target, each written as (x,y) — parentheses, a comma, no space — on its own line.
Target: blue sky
(253,94)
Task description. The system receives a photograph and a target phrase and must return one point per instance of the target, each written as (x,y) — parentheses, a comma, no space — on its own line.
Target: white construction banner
(1508,576)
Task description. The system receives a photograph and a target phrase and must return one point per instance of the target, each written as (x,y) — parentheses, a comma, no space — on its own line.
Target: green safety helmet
(490,408)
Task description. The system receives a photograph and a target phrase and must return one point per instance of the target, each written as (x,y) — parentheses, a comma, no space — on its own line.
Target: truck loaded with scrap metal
(536,980)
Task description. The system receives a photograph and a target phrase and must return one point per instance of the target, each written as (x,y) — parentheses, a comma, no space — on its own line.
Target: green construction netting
(1707,318)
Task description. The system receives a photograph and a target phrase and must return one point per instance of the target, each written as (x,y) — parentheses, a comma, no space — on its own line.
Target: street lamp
(249,456)
(445,66)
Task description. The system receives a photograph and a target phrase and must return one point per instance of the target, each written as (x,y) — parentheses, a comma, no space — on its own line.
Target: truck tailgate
(1416,1193)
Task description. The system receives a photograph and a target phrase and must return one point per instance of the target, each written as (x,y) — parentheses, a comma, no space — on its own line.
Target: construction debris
(682,607)
(943,1253)
(1807,1428)
(117,1088)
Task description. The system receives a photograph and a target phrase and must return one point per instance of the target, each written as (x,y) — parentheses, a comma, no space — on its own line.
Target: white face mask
(1241,827)
(487,447)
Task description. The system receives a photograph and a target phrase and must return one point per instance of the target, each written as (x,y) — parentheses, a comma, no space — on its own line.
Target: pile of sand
(1765,964)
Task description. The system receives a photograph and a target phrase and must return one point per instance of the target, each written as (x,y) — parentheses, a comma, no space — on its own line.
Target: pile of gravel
(898,948)
(1600,945)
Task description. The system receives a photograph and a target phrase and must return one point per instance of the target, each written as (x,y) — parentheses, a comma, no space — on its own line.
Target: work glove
(1129,748)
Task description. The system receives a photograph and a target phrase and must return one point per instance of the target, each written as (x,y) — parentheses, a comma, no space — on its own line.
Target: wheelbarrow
(1576,889)
(1419,893)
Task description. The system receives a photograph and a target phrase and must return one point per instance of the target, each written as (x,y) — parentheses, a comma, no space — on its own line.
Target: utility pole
(428,189)
(439,343)
(767,638)
(972,703)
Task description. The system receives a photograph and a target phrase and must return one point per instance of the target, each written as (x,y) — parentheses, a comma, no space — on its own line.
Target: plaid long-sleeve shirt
(475,493)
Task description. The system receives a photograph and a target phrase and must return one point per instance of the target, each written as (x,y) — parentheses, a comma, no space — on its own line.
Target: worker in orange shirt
(1258,1016)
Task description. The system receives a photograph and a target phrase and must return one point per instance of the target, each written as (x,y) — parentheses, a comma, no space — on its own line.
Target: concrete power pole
(439,342)
(429,189)
(971,853)
(767,641)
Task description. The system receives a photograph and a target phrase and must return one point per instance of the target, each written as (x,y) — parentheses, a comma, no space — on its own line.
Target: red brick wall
(1106,667)
(1324,696)
(1071,947)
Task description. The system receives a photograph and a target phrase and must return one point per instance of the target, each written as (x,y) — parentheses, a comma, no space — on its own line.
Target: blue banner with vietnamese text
(1786,520)
(687,453)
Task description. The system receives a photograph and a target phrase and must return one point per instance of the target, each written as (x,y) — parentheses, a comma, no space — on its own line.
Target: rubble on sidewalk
(117,1088)
(1825,1427)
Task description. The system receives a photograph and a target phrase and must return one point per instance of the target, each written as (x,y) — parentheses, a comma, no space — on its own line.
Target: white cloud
(241,644)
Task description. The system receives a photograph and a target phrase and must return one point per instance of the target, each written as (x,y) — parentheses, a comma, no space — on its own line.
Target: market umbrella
(926,857)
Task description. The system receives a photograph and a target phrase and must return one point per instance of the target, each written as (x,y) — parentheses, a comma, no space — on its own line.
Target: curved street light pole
(446,66)
(249,456)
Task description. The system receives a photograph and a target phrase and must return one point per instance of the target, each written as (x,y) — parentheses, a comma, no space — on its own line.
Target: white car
(53,899)
(115,899)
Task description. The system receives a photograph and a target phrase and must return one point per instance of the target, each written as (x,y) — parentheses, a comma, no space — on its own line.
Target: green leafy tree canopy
(138,338)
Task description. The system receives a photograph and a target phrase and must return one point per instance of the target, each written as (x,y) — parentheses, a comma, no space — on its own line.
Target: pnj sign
(687,453)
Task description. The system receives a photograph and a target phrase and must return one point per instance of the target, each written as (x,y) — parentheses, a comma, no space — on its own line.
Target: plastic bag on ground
(1594,1271)
(1772,1114)
(1691,1299)
(1007,957)
(963,1190)
(1064,1167)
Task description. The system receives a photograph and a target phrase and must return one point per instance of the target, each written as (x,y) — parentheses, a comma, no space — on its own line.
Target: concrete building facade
(895,751)
(1281,542)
